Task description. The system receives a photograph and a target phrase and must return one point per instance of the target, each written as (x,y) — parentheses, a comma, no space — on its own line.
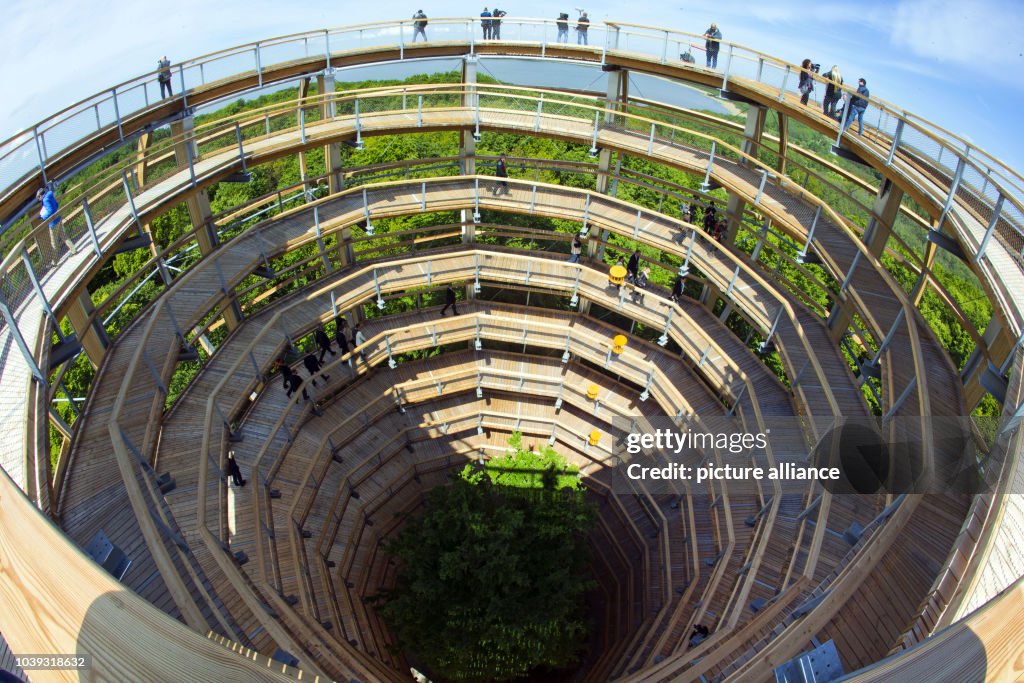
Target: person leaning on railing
(713,36)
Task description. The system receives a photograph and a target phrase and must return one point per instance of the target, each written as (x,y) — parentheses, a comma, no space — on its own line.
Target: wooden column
(467,143)
(876,236)
(883,216)
(91,335)
(198,205)
(332,153)
(299,113)
(140,169)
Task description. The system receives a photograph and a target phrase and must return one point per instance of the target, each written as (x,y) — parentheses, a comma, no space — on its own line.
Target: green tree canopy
(492,583)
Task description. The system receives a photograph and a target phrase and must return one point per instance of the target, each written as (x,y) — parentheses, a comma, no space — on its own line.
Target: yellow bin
(617,275)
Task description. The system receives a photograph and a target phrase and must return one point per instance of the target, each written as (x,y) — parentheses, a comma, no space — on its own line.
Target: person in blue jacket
(485,23)
(48,211)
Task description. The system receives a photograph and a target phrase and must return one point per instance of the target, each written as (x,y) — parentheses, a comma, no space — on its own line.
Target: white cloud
(983,34)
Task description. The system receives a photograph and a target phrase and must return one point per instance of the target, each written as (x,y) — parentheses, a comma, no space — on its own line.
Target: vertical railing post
(728,67)
(241,150)
(40,293)
(992,223)
(117,116)
(181,79)
(131,201)
(19,341)
(39,154)
(91,228)
(895,142)
(259,65)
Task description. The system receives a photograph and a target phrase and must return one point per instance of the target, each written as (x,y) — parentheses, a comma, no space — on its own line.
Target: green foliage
(490,585)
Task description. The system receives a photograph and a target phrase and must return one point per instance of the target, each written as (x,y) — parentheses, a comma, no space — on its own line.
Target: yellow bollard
(619,344)
(592,392)
(595,436)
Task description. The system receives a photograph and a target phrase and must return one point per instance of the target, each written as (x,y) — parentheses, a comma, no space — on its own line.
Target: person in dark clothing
(292,382)
(710,219)
(501,170)
(562,24)
(582,25)
(341,333)
(233,471)
(323,342)
(721,229)
(856,105)
(633,266)
(575,249)
(419,27)
(832,91)
(694,213)
(806,84)
(711,44)
(164,76)
(485,23)
(313,366)
(496,15)
(677,289)
(449,300)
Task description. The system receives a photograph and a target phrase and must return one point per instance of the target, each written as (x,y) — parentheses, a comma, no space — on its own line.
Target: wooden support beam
(89,330)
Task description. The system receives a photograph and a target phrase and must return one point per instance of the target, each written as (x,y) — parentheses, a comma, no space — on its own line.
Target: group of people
(315,364)
(856,103)
(490,22)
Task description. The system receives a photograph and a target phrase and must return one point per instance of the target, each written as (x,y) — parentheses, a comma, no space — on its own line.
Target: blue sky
(957,63)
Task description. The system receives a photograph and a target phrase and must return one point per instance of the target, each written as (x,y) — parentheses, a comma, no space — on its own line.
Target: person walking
(806,84)
(449,300)
(292,382)
(633,266)
(562,23)
(164,76)
(501,170)
(642,278)
(358,339)
(575,249)
(48,211)
(711,45)
(833,93)
(677,289)
(313,366)
(856,105)
(323,342)
(341,333)
(233,471)
(582,25)
(419,27)
(485,23)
